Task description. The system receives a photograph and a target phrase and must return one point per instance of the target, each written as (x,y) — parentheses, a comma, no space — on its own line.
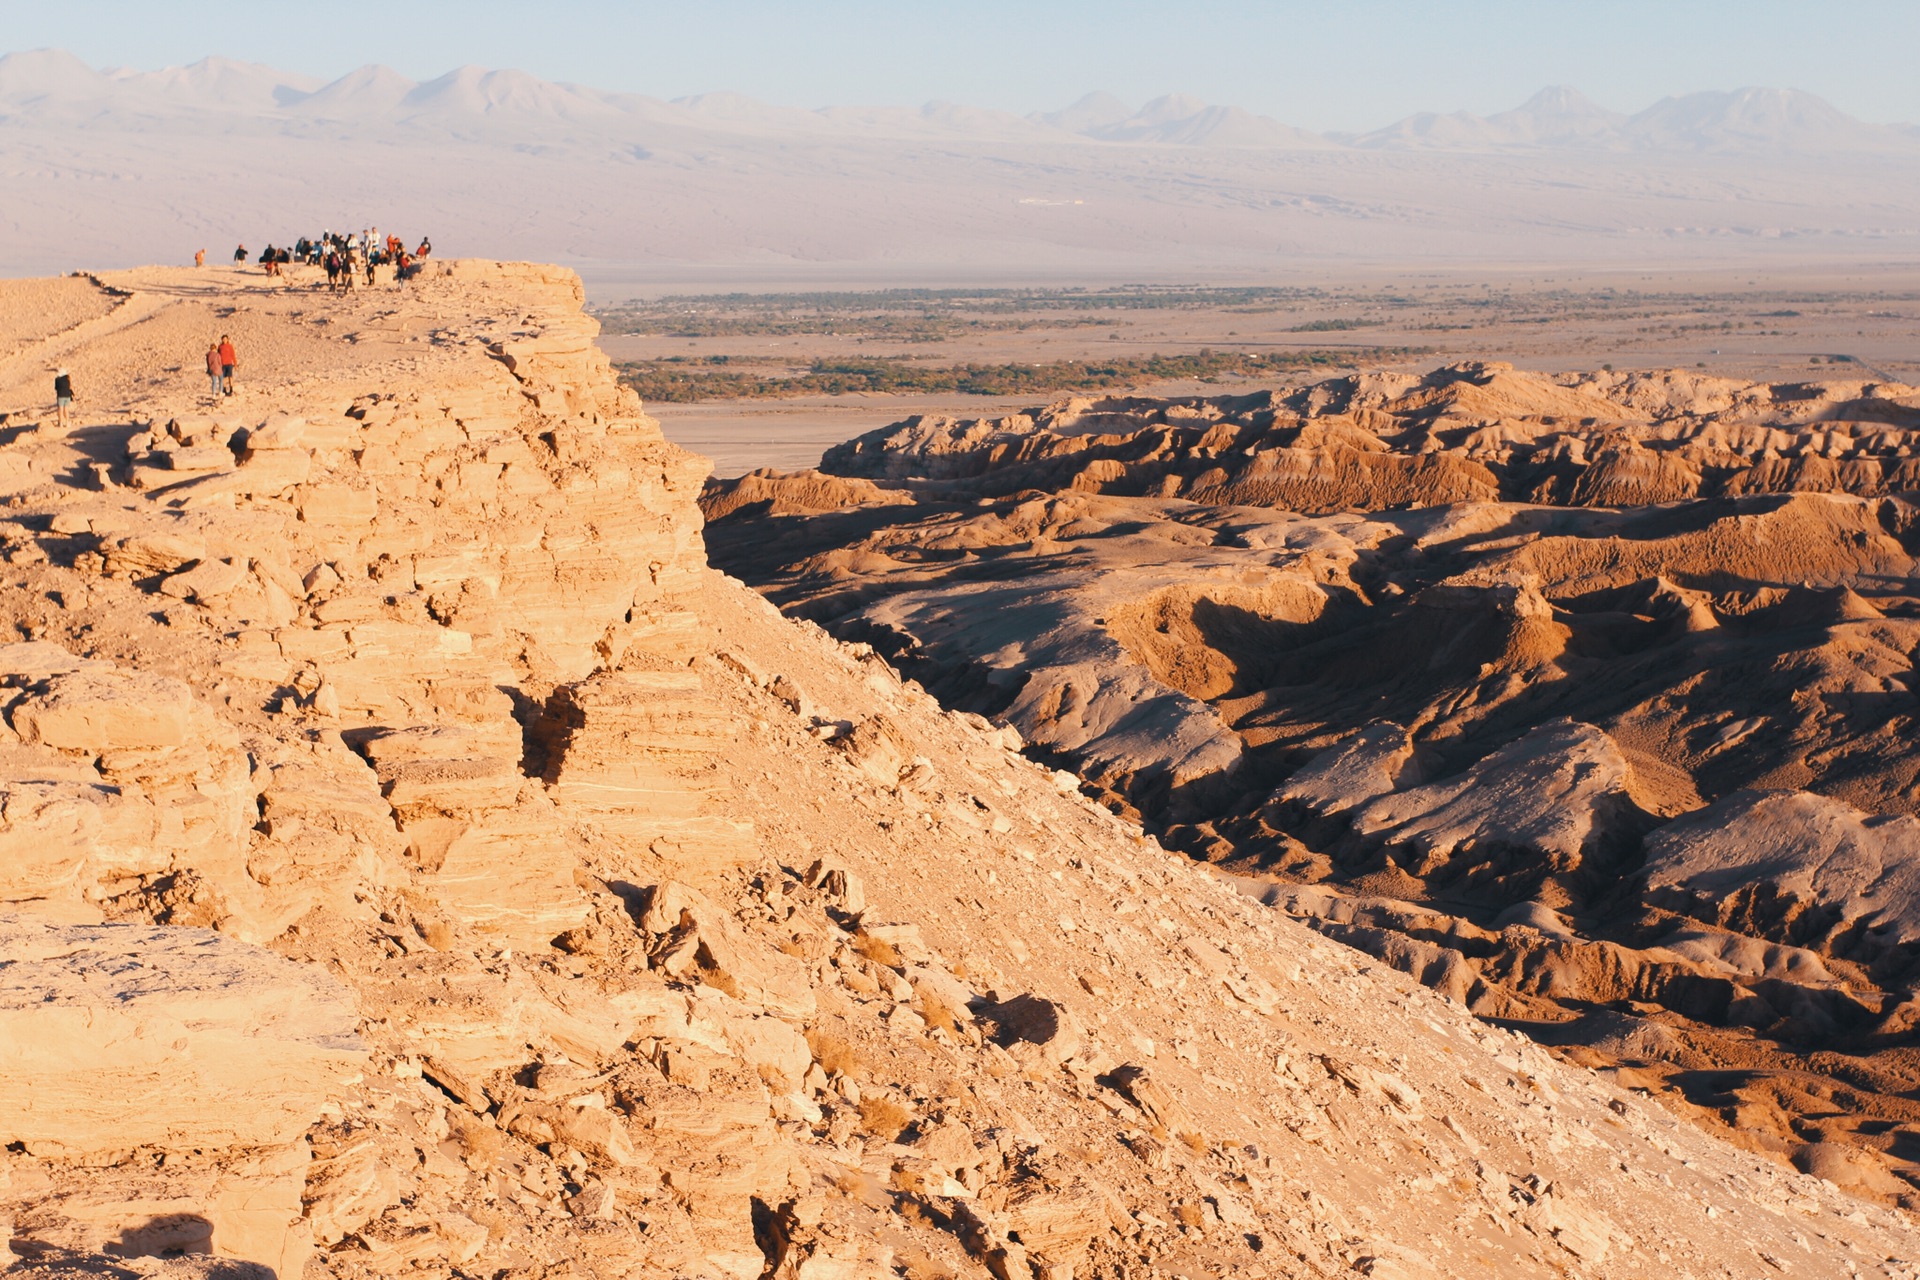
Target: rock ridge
(487,886)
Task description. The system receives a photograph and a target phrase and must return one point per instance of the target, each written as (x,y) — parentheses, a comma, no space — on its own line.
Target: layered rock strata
(418,863)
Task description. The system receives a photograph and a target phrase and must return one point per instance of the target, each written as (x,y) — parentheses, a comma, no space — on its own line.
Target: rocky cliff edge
(414,859)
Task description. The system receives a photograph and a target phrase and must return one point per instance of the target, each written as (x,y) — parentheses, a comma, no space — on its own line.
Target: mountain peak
(1754,119)
(1092,111)
(48,75)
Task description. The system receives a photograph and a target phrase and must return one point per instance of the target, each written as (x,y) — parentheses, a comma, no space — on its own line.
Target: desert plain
(1758,321)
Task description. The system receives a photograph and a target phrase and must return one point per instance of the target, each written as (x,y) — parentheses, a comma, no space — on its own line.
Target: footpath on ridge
(414,859)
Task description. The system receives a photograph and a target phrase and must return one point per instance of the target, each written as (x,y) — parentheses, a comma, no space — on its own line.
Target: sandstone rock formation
(418,862)
(1588,700)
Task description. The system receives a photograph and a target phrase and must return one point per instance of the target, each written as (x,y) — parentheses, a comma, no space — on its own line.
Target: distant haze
(102,168)
(1354,65)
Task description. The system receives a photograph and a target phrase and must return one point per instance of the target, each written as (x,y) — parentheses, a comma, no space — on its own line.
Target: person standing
(228,361)
(199,257)
(240,254)
(62,396)
(215,377)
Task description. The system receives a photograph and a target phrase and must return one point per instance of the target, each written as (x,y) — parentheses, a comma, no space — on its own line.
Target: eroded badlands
(1588,701)
(416,860)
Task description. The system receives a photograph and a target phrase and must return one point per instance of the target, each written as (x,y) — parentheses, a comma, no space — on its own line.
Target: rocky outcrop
(1543,807)
(1466,433)
(123,1036)
(1798,869)
(418,863)
(119,1038)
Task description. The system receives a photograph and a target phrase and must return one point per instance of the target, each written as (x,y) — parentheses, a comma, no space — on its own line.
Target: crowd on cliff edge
(347,258)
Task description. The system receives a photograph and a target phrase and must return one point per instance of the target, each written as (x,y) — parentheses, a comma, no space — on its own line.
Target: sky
(1324,65)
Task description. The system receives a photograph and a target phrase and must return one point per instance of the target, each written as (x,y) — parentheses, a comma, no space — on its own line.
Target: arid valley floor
(1759,323)
(1157,855)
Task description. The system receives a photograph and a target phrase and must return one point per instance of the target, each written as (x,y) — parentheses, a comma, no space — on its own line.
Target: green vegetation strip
(681,380)
(919,315)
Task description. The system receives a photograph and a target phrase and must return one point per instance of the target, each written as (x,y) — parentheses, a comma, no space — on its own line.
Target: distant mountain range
(52,87)
(99,168)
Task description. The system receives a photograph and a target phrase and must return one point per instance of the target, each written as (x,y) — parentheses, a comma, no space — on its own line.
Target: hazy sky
(1328,64)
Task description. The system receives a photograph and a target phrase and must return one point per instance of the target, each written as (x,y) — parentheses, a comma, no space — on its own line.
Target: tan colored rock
(100,709)
(208,458)
(334,504)
(119,1036)
(206,581)
(141,554)
(509,873)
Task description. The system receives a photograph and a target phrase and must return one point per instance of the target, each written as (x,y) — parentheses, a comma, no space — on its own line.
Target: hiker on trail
(240,254)
(62,396)
(369,269)
(333,270)
(215,377)
(228,360)
(425,250)
(199,257)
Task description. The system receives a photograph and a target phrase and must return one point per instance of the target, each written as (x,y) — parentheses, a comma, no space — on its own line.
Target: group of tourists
(345,257)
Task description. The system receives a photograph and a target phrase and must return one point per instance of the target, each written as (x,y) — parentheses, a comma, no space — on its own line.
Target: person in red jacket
(228,360)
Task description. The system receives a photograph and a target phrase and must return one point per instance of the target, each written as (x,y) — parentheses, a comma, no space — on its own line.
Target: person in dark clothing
(62,396)
(240,254)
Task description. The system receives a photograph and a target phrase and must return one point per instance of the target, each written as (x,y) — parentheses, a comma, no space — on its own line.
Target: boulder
(98,708)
